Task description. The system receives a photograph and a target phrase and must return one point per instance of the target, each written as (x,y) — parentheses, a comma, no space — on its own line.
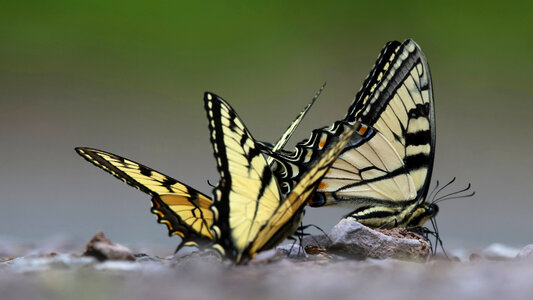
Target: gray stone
(52,261)
(103,249)
(319,241)
(526,252)
(267,256)
(352,239)
(292,251)
(498,251)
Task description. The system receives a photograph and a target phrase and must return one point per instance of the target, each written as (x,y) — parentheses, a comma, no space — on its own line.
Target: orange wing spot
(322,186)
(166,222)
(321,144)
(362,130)
(178,233)
(157,212)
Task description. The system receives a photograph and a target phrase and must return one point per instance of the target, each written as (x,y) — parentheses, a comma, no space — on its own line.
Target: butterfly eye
(285,188)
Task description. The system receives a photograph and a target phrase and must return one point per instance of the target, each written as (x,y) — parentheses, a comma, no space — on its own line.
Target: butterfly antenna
(449,196)
(443,187)
(432,191)
(210,184)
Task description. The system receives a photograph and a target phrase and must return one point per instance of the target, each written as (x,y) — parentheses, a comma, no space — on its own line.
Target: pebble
(103,249)
(499,251)
(526,252)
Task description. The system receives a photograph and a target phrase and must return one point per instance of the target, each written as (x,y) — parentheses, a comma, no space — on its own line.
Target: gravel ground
(492,274)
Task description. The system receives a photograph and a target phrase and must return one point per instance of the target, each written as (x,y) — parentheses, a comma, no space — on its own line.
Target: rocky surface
(526,252)
(288,272)
(65,276)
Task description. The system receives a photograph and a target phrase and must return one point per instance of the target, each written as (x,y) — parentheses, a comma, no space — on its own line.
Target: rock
(475,257)
(12,248)
(184,252)
(7,258)
(204,257)
(143,257)
(51,261)
(350,238)
(103,249)
(292,251)
(321,241)
(526,252)
(266,257)
(115,265)
(498,251)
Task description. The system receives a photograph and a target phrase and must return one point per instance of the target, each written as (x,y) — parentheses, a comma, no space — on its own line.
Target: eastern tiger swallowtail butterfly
(184,210)
(385,175)
(250,212)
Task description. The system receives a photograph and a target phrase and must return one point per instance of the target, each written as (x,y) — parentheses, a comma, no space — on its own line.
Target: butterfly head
(428,211)
(317,199)
(422,214)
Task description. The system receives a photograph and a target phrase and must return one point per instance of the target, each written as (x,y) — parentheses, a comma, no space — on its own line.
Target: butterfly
(250,212)
(385,174)
(246,181)
(184,210)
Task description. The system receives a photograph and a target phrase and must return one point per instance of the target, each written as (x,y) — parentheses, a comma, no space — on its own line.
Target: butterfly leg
(388,223)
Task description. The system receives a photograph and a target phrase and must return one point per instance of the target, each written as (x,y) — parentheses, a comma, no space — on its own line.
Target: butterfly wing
(288,133)
(247,194)
(390,164)
(303,190)
(370,169)
(184,210)
(397,100)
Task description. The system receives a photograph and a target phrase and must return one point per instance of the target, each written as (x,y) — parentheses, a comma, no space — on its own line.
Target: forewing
(247,194)
(288,133)
(397,100)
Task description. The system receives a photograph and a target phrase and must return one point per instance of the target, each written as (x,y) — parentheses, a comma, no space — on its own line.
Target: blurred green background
(129,76)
